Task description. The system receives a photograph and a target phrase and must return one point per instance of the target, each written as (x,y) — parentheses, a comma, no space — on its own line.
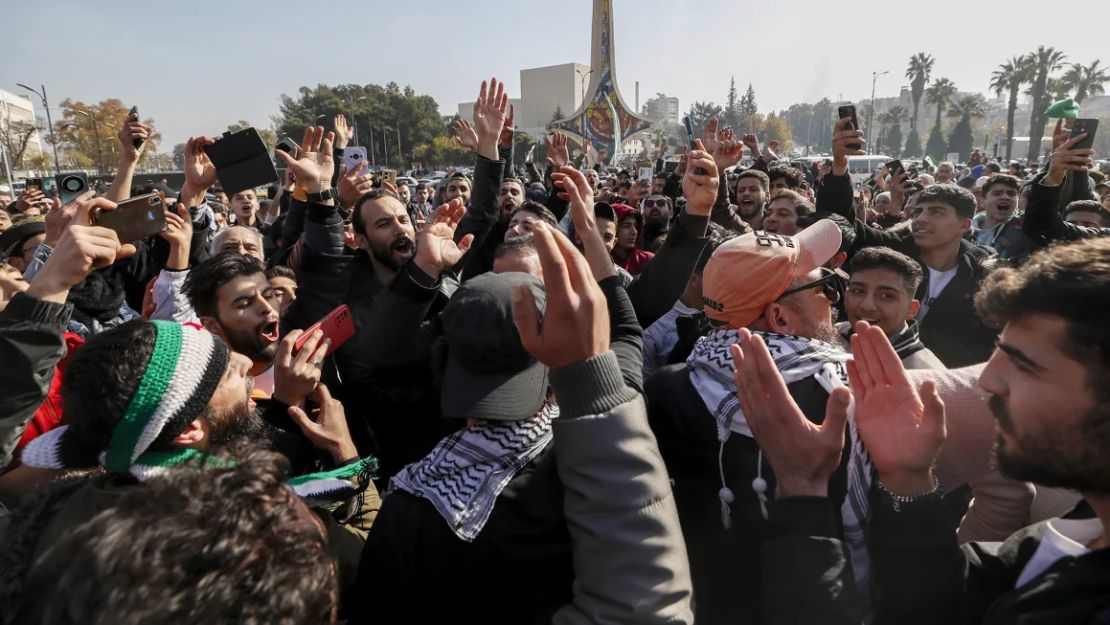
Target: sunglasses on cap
(660,203)
(832,283)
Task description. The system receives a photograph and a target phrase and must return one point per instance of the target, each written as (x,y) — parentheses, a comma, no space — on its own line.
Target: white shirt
(1063,538)
(937,281)
(661,337)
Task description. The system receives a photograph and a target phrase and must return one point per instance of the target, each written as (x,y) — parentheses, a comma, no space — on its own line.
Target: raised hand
(506,138)
(58,219)
(700,189)
(489,117)
(354,184)
(79,250)
(1060,135)
(30,198)
(129,130)
(557,153)
(343,131)
(771,151)
(900,188)
(315,166)
(329,431)
(728,152)
(575,323)
(578,193)
(710,138)
(436,249)
(751,142)
(803,455)
(464,134)
(1066,158)
(297,374)
(199,170)
(902,430)
(845,143)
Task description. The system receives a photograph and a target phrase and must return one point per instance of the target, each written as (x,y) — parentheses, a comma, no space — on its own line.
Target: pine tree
(747,103)
(558,115)
(936,145)
(913,144)
(732,115)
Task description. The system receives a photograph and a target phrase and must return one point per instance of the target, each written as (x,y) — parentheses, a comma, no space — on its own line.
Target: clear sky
(197,66)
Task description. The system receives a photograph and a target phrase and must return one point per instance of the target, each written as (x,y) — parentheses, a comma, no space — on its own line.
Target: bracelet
(897,501)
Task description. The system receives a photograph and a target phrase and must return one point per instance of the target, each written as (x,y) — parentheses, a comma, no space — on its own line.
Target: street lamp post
(871,113)
(49,122)
(96,134)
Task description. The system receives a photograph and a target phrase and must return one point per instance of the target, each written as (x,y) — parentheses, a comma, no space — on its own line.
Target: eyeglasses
(660,203)
(832,283)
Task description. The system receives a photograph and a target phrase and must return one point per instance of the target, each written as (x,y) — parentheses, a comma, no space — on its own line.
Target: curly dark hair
(792,175)
(196,545)
(357,223)
(960,199)
(1005,180)
(1070,281)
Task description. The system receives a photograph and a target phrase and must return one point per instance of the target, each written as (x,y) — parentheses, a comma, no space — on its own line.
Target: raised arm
(130,130)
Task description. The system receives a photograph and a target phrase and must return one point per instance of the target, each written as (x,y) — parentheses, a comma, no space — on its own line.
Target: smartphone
(33,183)
(353,158)
(288,146)
(894,167)
(390,176)
(242,161)
(134,112)
(136,218)
(71,186)
(849,111)
(690,139)
(338,325)
(1081,126)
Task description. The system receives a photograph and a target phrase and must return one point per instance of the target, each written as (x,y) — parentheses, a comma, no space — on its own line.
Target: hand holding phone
(1084,126)
(338,327)
(133,116)
(693,144)
(353,158)
(849,111)
(134,219)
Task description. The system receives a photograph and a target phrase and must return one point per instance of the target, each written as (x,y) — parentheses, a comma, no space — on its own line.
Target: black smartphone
(71,186)
(1081,126)
(288,146)
(894,167)
(242,161)
(134,112)
(136,218)
(849,111)
(690,139)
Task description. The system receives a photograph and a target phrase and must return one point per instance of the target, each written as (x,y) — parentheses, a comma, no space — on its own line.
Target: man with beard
(751,194)
(1048,382)
(999,225)
(658,214)
(945,173)
(139,400)
(775,286)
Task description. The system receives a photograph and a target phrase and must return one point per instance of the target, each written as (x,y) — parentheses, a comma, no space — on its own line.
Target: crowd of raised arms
(726,394)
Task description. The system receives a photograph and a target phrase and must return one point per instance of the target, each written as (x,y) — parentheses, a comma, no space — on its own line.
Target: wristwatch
(323,196)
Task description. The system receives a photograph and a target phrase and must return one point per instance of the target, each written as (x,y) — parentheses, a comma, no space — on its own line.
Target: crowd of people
(727,394)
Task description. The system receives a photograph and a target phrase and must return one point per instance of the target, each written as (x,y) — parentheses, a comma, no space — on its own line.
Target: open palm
(490,109)
(436,248)
(902,430)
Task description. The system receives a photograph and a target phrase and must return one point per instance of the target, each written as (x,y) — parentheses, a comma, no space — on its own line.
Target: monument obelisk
(603,121)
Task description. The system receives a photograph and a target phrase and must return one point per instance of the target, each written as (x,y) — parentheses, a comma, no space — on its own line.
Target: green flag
(1064,109)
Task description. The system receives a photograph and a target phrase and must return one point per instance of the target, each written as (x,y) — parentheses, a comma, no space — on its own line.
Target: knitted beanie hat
(183,371)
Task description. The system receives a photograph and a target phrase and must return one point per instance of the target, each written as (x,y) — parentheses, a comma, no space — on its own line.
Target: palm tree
(966,108)
(1085,81)
(940,95)
(1008,78)
(1044,61)
(918,73)
(893,117)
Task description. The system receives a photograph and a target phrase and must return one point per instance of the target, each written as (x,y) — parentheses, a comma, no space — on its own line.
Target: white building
(15,108)
(664,109)
(543,91)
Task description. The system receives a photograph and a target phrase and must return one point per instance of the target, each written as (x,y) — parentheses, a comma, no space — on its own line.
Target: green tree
(748,105)
(1084,81)
(1008,79)
(918,73)
(1044,61)
(74,132)
(732,114)
(557,115)
(891,120)
(940,94)
(700,112)
(913,144)
(936,145)
(960,140)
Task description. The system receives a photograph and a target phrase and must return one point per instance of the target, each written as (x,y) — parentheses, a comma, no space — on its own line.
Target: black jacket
(725,564)
(1044,221)
(414,568)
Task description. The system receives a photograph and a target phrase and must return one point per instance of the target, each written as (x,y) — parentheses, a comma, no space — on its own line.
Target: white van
(860,168)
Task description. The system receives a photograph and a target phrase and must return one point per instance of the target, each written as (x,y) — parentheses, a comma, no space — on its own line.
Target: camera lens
(72,184)
(154,201)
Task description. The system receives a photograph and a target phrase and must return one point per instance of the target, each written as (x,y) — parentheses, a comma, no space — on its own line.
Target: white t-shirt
(937,281)
(1063,538)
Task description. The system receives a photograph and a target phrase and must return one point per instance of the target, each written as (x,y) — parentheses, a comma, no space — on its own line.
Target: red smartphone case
(338,325)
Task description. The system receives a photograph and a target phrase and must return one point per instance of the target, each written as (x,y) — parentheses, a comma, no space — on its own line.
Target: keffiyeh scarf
(711,372)
(464,474)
